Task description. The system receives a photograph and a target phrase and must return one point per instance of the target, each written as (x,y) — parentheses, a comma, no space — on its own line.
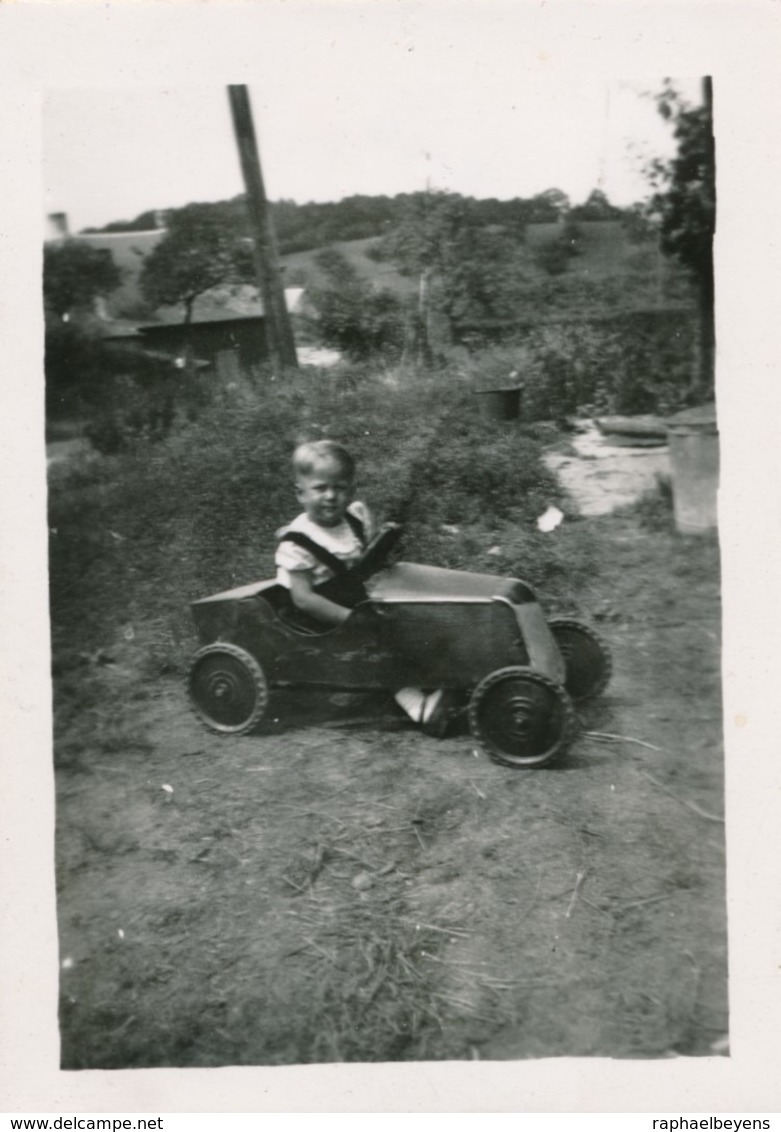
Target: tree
(548,207)
(74,275)
(144,222)
(637,225)
(424,245)
(596,207)
(353,317)
(553,256)
(685,204)
(202,249)
(469,268)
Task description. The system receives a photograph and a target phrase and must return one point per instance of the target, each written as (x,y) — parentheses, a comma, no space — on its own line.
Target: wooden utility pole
(281,346)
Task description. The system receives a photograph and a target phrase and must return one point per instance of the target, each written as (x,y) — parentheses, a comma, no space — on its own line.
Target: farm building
(227,329)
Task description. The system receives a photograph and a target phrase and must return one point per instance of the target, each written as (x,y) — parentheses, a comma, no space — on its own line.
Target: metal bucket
(499,404)
(693,440)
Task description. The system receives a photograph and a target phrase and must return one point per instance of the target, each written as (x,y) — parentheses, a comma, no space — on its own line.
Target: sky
(359,108)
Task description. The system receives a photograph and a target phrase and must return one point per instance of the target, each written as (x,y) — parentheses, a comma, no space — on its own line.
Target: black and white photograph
(382,415)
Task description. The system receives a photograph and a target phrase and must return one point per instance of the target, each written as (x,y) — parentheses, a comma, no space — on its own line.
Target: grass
(654,509)
(337,890)
(135,538)
(307,896)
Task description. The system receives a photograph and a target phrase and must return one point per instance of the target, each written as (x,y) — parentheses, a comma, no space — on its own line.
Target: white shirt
(341,541)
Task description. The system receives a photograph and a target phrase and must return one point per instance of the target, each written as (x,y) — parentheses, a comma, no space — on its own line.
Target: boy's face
(325,493)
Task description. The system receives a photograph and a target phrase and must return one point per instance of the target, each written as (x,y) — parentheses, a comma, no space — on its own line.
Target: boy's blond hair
(313,453)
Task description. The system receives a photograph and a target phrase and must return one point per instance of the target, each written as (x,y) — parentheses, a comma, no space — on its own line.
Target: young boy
(341,526)
(332,519)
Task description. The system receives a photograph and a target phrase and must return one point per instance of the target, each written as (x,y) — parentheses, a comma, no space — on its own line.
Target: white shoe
(430,705)
(440,709)
(413,701)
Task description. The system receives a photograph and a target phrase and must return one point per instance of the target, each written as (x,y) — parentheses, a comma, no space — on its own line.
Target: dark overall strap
(319,552)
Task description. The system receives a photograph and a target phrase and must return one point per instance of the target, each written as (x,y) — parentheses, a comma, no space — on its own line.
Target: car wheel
(520,717)
(227,688)
(586,657)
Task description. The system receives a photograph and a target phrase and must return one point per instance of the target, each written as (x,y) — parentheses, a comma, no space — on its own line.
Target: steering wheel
(376,553)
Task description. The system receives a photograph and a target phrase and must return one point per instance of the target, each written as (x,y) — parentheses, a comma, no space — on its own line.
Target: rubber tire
(546,736)
(237,683)
(587,659)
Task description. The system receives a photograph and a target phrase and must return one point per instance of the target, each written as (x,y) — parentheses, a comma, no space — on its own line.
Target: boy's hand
(314,604)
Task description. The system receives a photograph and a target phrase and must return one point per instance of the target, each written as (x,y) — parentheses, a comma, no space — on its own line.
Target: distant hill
(603,249)
(301,268)
(303,227)
(129,250)
(611,263)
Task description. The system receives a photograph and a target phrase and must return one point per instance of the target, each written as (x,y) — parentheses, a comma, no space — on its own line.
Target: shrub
(136,401)
(635,362)
(553,257)
(75,364)
(354,318)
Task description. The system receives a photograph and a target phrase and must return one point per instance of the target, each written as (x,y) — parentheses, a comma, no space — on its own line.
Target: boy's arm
(317,606)
(364,513)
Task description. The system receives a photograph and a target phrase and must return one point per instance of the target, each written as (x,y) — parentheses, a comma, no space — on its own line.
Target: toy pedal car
(420,625)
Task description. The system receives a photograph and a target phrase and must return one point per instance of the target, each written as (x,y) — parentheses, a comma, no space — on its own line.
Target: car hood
(409,582)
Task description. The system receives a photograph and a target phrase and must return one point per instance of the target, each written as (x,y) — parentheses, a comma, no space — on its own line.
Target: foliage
(202,248)
(548,206)
(136,402)
(300,227)
(595,207)
(637,225)
(553,256)
(75,359)
(685,197)
(75,356)
(74,275)
(144,222)
(312,225)
(353,317)
(474,266)
(632,362)
(685,204)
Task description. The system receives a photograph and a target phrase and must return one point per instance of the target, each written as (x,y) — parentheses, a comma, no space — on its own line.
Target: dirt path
(602,475)
(340,887)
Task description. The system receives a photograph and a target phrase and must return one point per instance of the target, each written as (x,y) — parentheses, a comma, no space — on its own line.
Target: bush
(75,363)
(553,257)
(137,400)
(635,362)
(354,318)
(135,416)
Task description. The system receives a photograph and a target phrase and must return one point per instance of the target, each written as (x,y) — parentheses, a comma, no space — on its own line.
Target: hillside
(301,268)
(604,251)
(609,265)
(128,250)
